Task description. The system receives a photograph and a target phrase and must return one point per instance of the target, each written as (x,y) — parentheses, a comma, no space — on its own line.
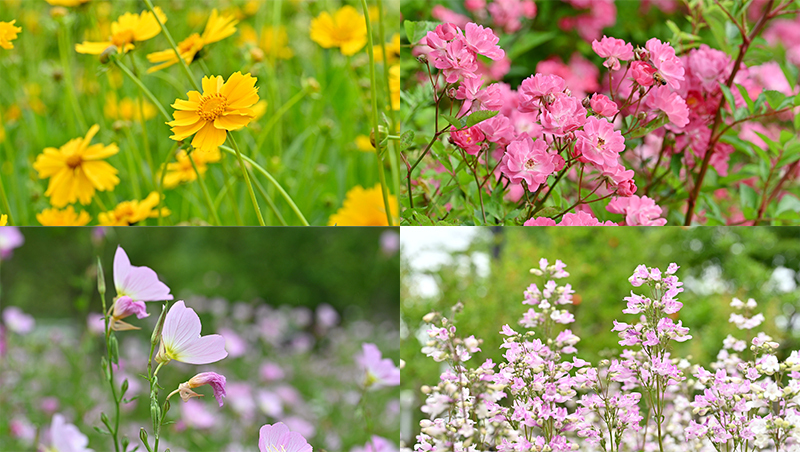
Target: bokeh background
(487,269)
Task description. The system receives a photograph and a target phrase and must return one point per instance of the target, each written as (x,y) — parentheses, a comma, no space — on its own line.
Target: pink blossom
(468,139)
(507,13)
(67,437)
(377,444)
(443,14)
(613,50)
(277,437)
(638,211)
(215,380)
(455,60)
(668,65)
(670,103)
(497,130)
(326,315)
(540,221)
(706,68)
(234,343)
(138,283)
(380,372)
(483,41)
(603,106)
(534,88)
(642,73)
(569,219)
(580,75)
(17,321)
(527,160)
(599,143)
(10,238)
(181,340)
(125,306)
(564,115)
(270,371)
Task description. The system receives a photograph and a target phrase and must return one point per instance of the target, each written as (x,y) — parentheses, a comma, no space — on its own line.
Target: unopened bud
(110,51)
(382,134)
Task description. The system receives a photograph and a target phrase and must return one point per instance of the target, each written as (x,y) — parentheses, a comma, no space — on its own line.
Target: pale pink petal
(271,434)
(202,350)
(294,442)
(139,283)
(181,326)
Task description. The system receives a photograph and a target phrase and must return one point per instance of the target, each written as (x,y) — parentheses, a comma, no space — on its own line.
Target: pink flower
(17,321)
(599,143)
(527,160)
(498,130)
(564,115)
(10,238)
(181,340)
(125,307)
(642,73)
(668,65)
(638,211)
(507,13)
(456,60)
(613,50)
(467,139)
(569,219)
(278,438)
(540,221)
(216,381)
(670,103)
(67,437)
(537,86)
(483,41)
(603,106)
(138,283)
(380,372)
(377,444)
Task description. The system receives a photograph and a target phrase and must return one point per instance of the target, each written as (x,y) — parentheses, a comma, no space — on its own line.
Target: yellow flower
(394,86)
(346,30)
(3,220)
(8,33)
(128,28)
(66,2)
(221,107)
(66,217)
(364,144)
(363,208)
(131,212)
(127,109)
(392,50)
(217,28)
(77,169)
(182,170)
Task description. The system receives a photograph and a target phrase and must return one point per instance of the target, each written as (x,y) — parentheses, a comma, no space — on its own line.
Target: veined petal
(139,283)
(209,137)
(231,121)
(183,132)
(211,85)
(202,350)
(92,48)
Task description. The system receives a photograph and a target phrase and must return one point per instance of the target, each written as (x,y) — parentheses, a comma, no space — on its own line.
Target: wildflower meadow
(233,112)
(587,112)
(606,353)
(132,347)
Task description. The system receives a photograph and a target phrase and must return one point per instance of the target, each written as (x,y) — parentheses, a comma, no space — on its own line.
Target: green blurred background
(716,265)
(52,274)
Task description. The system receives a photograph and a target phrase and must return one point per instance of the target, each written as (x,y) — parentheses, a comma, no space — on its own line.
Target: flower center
(122,38)
(212,106)
(600,142)
(74,161)
(530,164)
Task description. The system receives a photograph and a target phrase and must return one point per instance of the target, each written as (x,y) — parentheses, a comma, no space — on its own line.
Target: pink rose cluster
(505,14)
(590,24)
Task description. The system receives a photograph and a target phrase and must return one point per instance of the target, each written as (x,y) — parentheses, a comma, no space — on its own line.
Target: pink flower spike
(380,372)
(139,283)
(216,381)
(278,438)
(181,340)
(613,50)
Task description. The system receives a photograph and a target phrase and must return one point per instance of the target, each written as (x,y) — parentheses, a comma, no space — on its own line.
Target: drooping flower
(8,33)
(222,107)
(10,238)
(216,381)
(131,212)
(528,160)
(380,372)
(217,28)
(66,437)
(65,217)
(126,30)
(346,29)
(364,207)
(181,340)
(278,438)
(18,321)
(613,50)
(124,307)
(138,283)
(77,169)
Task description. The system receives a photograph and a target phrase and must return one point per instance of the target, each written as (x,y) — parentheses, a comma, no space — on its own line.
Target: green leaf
(797,123)
(442,156)
(549,211)
(747,197)
(775,98)
(728,96)
(406,140)
(417,30)
(455,122)
(787,204)
(675,164)
(649,127)
(479,116)
(114,345)
(746,97)
(527,42)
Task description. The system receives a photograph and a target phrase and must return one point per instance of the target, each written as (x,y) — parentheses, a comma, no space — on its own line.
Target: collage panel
(199,339)
(600,339)
(601,112)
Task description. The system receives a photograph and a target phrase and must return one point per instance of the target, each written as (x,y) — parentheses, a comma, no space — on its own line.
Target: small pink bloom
(216,381)
(599,143)
(274,438)
(181,340)
(498,130)
(670,103)
(377,444)
(467,139)
(139,283)
(456,61)
(17,321)
(564,115)
(613,50)
(642,73)
(483,41)
(380,372)
(638,211)
(534,88)
(540,221)
(603,106)
(10,238)
(583,219)
(67,437)
(125,306)
(527,160)
(668,65)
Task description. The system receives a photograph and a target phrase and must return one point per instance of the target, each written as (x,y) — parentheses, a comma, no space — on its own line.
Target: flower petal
(202,350)
(139,283)
(181,327)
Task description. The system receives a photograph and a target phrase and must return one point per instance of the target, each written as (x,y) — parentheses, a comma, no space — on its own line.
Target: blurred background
(487,269)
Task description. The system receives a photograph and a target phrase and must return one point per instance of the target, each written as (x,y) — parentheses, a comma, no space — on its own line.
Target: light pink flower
(642,73)
(125,307)
(670,103)
(507,13)
(17,321)
(66,437)
(527,160)
(569,219)
(10,238)
(668,65)
(483,41)
(181,340)
(278,438)
(467,139)
(380,372)
(613,50)
(216,381)
(638,211)
(138,283)
(498,130)
(540,221)
(456,61)
(599,143)
(603,106)
(534,88)
(564,115)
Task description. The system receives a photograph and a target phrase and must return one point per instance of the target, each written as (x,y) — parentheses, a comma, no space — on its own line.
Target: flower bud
(110,51)
(58,12)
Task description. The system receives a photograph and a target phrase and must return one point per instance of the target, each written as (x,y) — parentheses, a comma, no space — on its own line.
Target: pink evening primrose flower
(668,65)
(528,160)
(638,211)
(613,50)
(380,372)
(67,437)
(10,238)
(670,103)
(216,381)
(181,340)
(124,307)
(17,321)
(138,283)
(278,438)
(599,143)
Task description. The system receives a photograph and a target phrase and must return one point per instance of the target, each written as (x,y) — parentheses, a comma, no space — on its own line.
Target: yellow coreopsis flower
(8,33)
(182,171)
(217,28)
(3,220)
(364,144)
(66,217)
(67,2)
(131,212)
(127,29)
(77,169)
(222,107)
(363,207)
(394,86)
(392,51)
(346,29)
(127,109)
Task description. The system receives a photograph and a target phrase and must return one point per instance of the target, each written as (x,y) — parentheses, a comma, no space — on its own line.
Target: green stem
(246,179)
(144,89)
(137,192)
(272,180)
(231,194)
(145,139)
(3,198)
(109,362)
(374,89)
(160,186)
(174,47)
(202,183)
(270,203)
(63,40)
(277,116)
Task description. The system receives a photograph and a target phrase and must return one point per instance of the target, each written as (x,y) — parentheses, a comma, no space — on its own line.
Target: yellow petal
(92,48)
(209,137)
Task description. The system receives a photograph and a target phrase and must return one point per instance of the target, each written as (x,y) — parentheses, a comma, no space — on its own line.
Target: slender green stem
(394,157)
(278,115)
(272,180)
(246,179)
(270,203)
(142,120)
(137,192)
(144,89)
(374,89)
(203,187)
(63,42)
(174,47)
(109,363)
(4,199)
(231,194)
(160,185)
